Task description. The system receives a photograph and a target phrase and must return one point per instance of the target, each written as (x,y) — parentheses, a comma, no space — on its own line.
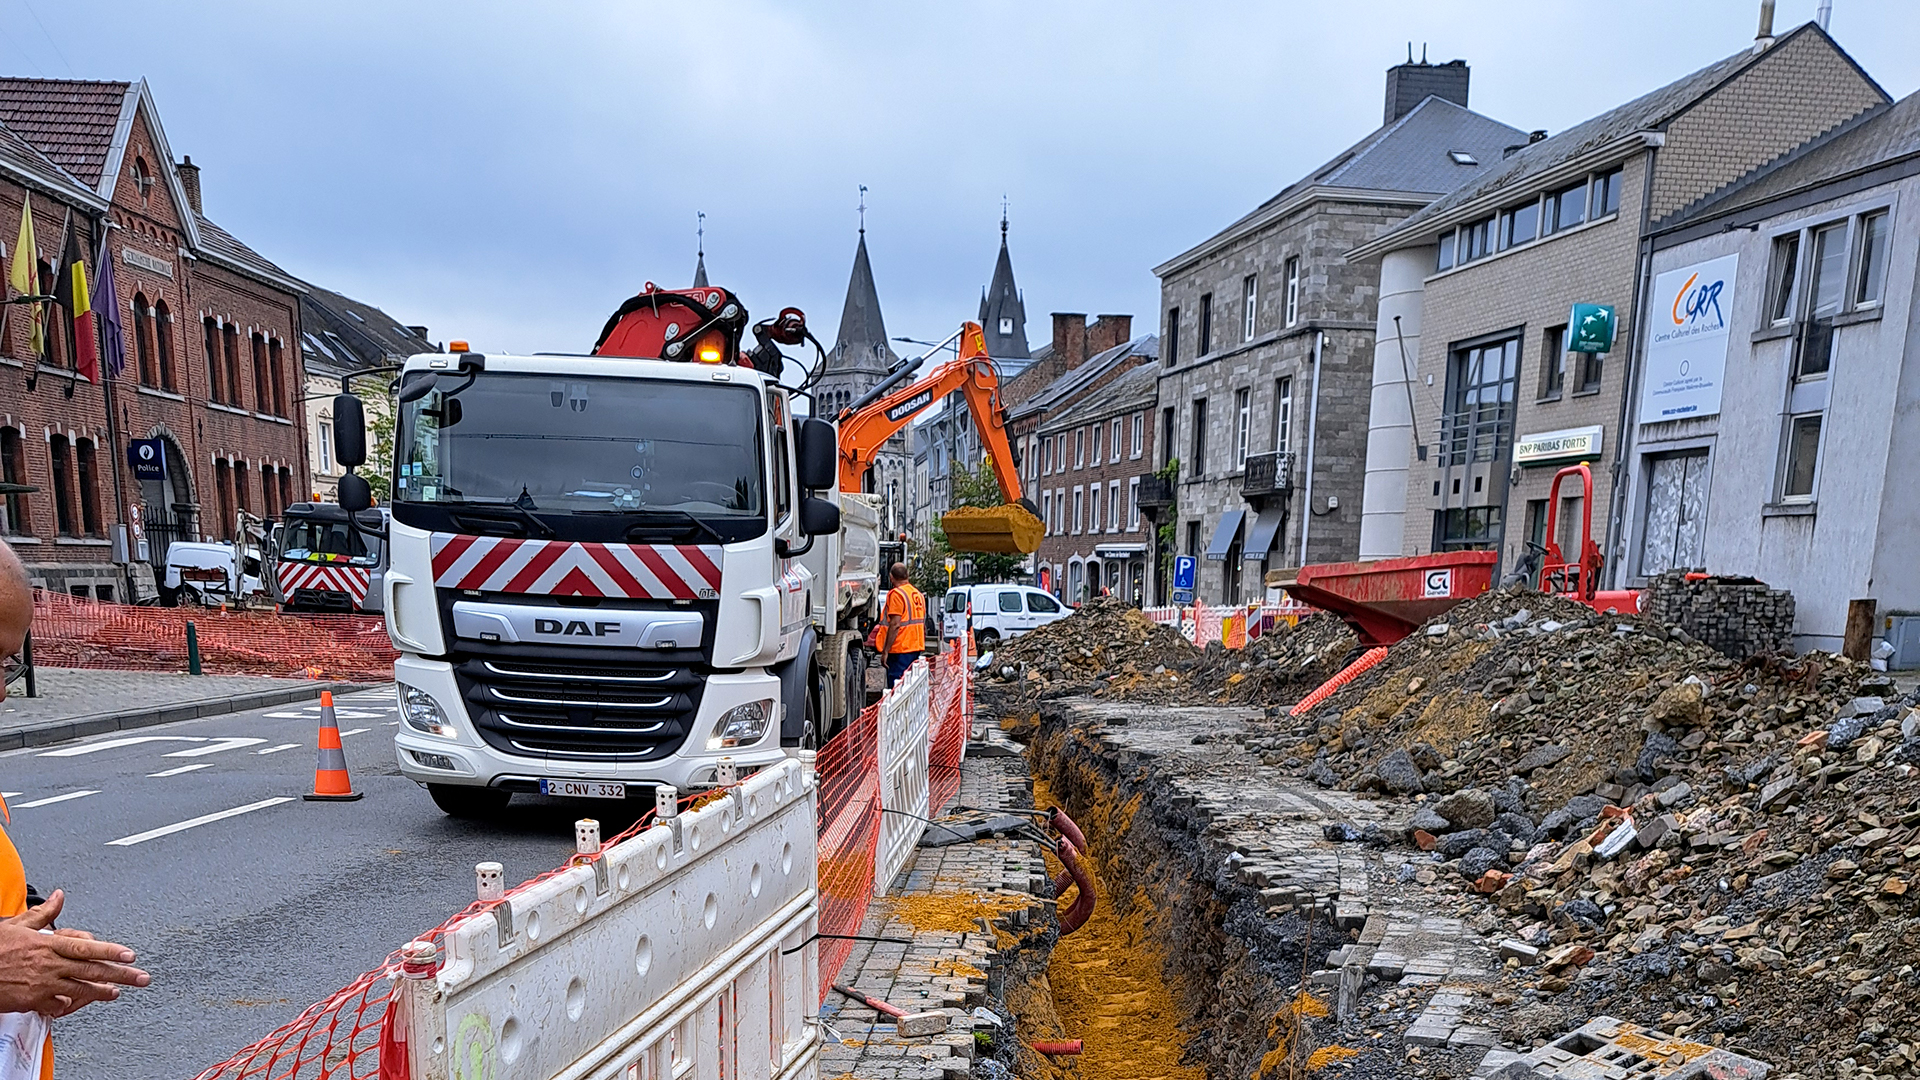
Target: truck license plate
(583,789)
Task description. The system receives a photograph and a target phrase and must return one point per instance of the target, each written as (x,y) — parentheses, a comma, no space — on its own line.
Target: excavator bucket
(997,530)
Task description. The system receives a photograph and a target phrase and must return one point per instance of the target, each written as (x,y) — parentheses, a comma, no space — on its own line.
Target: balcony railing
(1156,492)
(1268,474)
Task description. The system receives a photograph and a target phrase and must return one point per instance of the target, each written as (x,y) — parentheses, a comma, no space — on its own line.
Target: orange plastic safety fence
(951,701)
(849,776)
(76,633)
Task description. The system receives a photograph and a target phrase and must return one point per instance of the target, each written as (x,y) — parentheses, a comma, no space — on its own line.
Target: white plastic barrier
(903,743)
(683,952)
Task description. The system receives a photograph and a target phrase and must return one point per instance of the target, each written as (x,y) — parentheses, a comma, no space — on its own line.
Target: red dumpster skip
(1384,600)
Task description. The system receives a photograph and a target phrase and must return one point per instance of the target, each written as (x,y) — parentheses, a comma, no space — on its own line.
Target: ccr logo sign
(1696,302)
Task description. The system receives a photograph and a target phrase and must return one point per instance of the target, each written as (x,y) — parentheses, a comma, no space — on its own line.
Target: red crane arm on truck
(863,431)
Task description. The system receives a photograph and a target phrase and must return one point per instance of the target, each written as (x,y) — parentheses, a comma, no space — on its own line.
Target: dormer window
(1006,326)
(1461,157)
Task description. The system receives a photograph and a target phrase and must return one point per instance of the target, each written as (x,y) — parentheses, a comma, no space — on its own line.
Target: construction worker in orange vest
(51,974)
(904,635)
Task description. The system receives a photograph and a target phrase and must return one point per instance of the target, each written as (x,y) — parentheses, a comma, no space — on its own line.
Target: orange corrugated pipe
(1347,674)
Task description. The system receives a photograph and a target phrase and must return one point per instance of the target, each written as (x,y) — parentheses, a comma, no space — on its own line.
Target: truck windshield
(583,458)
(305,540)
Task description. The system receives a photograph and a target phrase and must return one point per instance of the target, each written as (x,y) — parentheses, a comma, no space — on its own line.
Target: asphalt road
(190,844)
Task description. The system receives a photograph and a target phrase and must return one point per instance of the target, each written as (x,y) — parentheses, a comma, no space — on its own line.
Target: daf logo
(574,628)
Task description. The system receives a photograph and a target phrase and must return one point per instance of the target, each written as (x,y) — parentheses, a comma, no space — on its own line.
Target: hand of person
(55,974)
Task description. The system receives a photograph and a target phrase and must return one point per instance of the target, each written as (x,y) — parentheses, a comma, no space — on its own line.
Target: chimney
(1108,331)
(419,332)
(1069,339)
(1411,83)
(190,181)
(1764,38)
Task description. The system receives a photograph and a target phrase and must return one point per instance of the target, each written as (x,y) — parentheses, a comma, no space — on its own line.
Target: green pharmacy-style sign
(1590,328)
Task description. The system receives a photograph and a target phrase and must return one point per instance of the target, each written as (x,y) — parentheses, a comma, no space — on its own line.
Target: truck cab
(596,577)
(321,565)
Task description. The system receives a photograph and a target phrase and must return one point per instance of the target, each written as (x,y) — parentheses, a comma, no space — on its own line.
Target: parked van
(999,611)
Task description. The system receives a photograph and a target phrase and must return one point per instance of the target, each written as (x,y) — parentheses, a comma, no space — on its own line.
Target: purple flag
(106,304)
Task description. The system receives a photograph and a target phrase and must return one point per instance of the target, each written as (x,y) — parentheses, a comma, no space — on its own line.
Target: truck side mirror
(819,453)
(354,494)
(819,517)
(349,431)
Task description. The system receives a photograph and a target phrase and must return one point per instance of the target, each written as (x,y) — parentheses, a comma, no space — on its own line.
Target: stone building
(1491,400)
(1095,449)
(1776,415)
(1267,344)
(861,357)
(206,326)
(340,335)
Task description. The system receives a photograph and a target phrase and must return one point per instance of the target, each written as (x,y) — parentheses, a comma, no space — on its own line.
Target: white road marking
(214,746)
(354,731)
(289,716)
(204,819)
(182,769)
(10,794)
(282,746)
(54,799)
(115,744)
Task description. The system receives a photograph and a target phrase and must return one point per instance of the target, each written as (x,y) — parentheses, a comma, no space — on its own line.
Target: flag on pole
(71,290)
(106,301)
(23,279)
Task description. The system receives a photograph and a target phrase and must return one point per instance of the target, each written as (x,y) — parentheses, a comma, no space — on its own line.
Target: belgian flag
(71,290)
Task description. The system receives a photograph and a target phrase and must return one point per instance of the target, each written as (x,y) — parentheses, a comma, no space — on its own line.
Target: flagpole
(73,362)
(115,453)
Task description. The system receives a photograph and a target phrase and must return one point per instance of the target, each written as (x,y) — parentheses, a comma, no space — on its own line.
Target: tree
(380,409)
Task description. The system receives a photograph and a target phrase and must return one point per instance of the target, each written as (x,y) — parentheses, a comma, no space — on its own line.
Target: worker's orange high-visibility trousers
(13,901)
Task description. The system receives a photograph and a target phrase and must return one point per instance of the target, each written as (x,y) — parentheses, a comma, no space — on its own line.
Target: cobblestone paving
(935,970)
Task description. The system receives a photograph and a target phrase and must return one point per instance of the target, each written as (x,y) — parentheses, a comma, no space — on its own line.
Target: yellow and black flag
(71,291)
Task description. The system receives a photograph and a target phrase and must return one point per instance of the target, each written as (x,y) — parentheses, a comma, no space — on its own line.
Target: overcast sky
(509,172)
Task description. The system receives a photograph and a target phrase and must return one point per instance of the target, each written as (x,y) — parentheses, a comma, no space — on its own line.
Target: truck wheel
(816,687)
(985,641)
(469,803)
(856,683)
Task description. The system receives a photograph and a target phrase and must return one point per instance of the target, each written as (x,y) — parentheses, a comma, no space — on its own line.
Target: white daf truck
(609,572)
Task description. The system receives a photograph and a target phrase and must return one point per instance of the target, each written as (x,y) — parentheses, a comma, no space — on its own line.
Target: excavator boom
(1009,529)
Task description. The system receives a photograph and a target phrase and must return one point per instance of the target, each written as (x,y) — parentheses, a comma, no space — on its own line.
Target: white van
(998,611)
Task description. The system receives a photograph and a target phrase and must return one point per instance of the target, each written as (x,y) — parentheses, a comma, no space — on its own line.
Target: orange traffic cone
(330,783)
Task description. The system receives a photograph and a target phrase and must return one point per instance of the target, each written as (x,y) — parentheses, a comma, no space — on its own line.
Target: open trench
(1181,973)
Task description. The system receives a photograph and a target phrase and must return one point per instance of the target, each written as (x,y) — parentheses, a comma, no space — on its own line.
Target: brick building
(207,326)
(1267,346)
(1093,452)
(1467,436)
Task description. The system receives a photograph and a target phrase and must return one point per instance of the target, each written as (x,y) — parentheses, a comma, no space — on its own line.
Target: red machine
(1579,580)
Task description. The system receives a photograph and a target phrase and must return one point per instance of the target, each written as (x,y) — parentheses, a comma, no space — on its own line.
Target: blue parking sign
(1183,567)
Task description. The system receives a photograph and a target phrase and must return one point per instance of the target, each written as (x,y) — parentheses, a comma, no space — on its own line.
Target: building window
(1198,466)
(1873,259)
(1564,208)
(1478,424)
(1293,290)
(13,470)
(89,488)
(1468,527)
(216,382)
(1592,366)
(1046,511)
(286,487)
(326,448)
(142,350)
(1166,435)
(1606,195)
(1786,268)
(276,367)
(1136,443)
(1802,458)
(1553,362)
(1206,325)
(223,491)
(1476,240)
(1113,506)
(163,353)
(1079,448)
(1250,294)
(1006,326)
(1173,337)
(1283,414)
(1242,425)
(1093,509)
(1193,539)
(1093,442)
(230,348)
(1113,440)
(61,457)
(1520,224)
(242,500)
(1825,291)
(1079,509)
(1445,261)
(262,382)
(1133,504)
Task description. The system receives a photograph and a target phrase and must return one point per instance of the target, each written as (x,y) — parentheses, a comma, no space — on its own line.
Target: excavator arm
(864,430)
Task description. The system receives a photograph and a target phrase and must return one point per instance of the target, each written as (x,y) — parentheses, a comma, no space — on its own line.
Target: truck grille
(320,600)
(590,710)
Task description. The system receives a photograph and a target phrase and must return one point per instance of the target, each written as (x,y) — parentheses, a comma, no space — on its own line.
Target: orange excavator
(865,426)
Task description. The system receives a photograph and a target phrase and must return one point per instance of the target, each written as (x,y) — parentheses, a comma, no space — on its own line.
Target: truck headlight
(422,713)
(742,725)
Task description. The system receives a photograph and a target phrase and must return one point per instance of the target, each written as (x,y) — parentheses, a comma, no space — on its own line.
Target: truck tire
(854,688)
(985,641)
(469,803)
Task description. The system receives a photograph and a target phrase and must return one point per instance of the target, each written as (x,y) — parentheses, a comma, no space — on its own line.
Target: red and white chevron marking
(352,580)
(558,568)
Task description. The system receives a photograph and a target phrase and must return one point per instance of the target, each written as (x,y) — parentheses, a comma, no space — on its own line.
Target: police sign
(147,459)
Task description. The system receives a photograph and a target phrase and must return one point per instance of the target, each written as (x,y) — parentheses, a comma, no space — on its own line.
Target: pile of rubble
(1109,649)
(1722,850)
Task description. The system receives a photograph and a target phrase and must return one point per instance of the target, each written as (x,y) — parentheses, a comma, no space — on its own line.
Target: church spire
(700,265)
(862,342)
(1003,314)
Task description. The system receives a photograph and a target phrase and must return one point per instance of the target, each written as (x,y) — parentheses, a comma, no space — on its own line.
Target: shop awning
(1120,551)
(1264,528)
(1226,534)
